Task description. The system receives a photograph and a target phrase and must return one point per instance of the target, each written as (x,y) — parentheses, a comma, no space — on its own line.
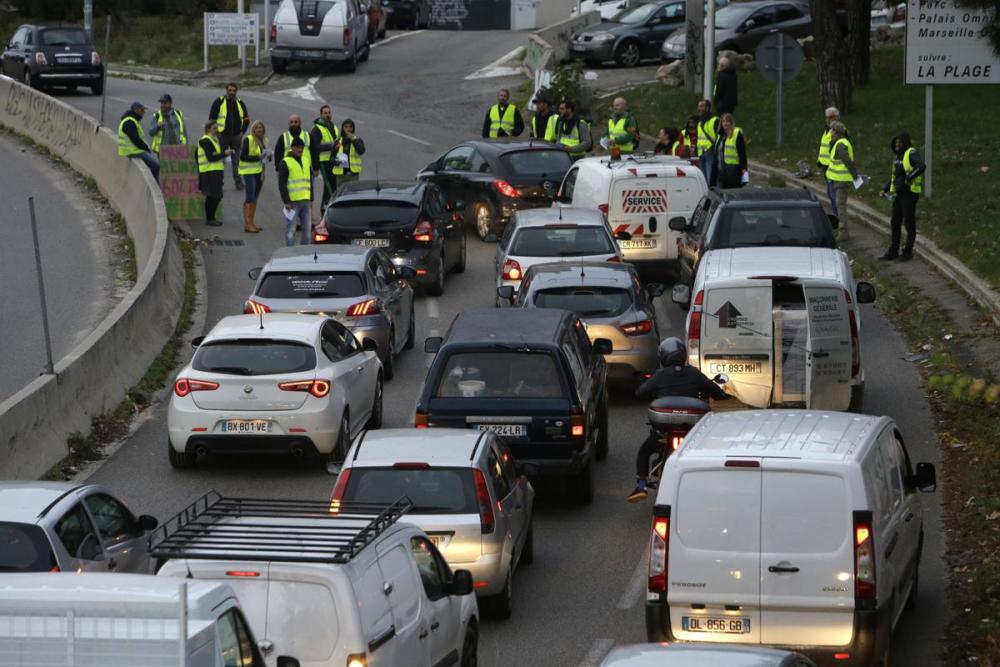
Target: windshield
(311,285)
(65,37)
(730,17)
(24,548)
(365,213)
(562,241)
(743,227)
(546,163)
(244,356)
(586,301)
(500,374)
(638,14)
(432,490)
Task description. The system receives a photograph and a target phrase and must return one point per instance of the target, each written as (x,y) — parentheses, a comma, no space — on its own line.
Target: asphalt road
(584,591)
(75,263)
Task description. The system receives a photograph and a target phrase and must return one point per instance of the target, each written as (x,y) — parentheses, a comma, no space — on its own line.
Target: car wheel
(502,605)
(179,460)
(278,65)
(29,80)
(375,421)
(581,485)
(528,550)
(368,51)
(470,647)
(484,218)
(98,88)
(352,64)
(460,266)
(601,449)
(339,452)
(627,54)
(411,332)
(389,363)
(437,287)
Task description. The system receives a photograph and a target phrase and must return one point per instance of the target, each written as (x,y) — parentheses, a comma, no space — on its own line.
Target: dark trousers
(234,141)
(649,447)
(211,205)
(329,182)
(904,214)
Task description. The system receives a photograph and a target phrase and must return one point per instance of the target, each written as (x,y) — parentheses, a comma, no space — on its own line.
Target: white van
(783,323)
(638,196)
(787,528)
(112,619)
(330,583)
(322,32)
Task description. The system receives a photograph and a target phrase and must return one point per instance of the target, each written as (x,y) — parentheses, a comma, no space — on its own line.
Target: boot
(639,494)
(248,225)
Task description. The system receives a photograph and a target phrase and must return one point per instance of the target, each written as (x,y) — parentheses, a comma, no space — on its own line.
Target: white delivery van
(322,32)
(783,323)
(122,620)
(788,528)
(638,195)
(330,583)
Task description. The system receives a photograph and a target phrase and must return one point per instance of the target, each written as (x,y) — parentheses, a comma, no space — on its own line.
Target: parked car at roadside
(60,55)
(412,14)
(319,33)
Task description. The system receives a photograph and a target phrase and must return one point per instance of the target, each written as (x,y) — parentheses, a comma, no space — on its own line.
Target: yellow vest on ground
(916,185)
(158,139)
(328,138)
(838,171)
(299,179)
(706,134)
(354,162)
(125,146)
(498,122)
(617,128)
(246,167)
(204,165)
(224,112)
(730,154)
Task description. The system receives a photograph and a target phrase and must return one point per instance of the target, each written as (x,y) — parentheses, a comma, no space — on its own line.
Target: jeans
(646,451)
(152,162)
(234,141)
(832,196)
(904,214)
(252,183)
(302,211)
(329,180)
(707,163)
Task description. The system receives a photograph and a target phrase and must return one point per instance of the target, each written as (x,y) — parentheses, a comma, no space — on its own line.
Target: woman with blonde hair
(253,154)
(732,149)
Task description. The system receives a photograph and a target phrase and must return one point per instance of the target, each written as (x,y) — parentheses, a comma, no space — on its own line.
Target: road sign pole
(242,47)
(205,39)
(107,50)
(709,71)
(49,369)
(928,137)
(88,17)
(267,25)
(781,76)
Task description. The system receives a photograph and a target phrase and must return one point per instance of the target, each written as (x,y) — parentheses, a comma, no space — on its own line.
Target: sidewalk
(215,77)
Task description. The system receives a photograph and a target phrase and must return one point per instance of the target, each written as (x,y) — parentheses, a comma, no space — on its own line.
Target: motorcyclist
(675,378)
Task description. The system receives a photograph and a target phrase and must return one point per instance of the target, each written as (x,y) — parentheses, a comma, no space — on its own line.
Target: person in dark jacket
(350,148)
(544,121)
(731,152)
(503,119)
(668,142)
(132,139)
(253,154)
(323,140)
(211,170)
(295,187)
(726,87)
(905,184)
(690,138)
(230,113)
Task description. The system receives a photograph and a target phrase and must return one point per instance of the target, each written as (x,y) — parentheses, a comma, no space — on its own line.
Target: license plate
(736,367)
(309,54)
(69,61)
(372,243)
(246,426)
(515,430)
(730,625)
(637,244)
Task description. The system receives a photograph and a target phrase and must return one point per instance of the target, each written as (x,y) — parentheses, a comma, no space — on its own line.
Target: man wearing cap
(543,123)
(167,125)
(132,139)
(231,114)
(295,187)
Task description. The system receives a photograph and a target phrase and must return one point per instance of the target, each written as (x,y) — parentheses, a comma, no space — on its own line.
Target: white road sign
(944,46)
(231,29)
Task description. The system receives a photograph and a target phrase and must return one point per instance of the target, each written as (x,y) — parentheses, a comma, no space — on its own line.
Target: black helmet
(672,352)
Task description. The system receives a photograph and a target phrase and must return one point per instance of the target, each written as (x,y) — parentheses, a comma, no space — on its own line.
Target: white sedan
(277,384)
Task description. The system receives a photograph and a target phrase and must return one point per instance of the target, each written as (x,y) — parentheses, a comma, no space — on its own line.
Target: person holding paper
(295,186)
(905,184)
(843,172)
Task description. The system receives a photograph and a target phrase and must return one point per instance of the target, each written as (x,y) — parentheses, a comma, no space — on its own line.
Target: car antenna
(315,256)
(260,314)
(378,185)
(560,214)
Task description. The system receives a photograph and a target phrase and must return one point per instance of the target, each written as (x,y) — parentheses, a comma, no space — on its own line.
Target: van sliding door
(828,355)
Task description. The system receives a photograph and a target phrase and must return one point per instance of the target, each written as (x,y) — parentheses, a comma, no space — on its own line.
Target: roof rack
(215,527)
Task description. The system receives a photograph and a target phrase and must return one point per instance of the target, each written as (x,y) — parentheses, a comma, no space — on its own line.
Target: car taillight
(320,237)
(423,232)
(676,440)
(40,59)
(487,520)
(512,270)
(603,208)
(505,188)
(637,328)
(420,420)
(659,542)
(95,59)
(864,560)
(243,573)
(357,660)
(338,490)
(362,308)
(318,388)
(184,386)
(274,33)
(694,331)
(855,339)
(347,36)
(616,258)
(578,426)
(251,307)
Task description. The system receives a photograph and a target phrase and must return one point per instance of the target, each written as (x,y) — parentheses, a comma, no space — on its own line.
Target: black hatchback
(531,376)
(413,222)
(42,56)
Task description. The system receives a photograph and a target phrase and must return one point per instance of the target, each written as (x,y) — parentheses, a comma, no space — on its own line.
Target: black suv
(750,217)
(532,377)
(42,56)
(413,222)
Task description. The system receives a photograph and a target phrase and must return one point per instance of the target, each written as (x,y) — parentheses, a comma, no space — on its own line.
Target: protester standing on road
(708,134)
(572,132)
(832,115)
(503,118)
(295,186)
(733,149)
(253,153)
(623,130)
(726,93)
(132,139)
(350,148)
(323,140)
(284,143)
(905,184)
(690,137)
(669,142)
(230,113)
(843,172)
(543,123)
(211,170)
(167,125)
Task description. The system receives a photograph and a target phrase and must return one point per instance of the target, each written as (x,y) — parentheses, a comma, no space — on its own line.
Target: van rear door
(639,206)
(737,339)
(807,558)
(828,357)
(302,616)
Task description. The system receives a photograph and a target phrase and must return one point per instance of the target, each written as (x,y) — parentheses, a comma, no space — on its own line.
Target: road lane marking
(494,69)
(395,37)
(306,92)
(406,136)
(636,584)
(598,650)
(433,310)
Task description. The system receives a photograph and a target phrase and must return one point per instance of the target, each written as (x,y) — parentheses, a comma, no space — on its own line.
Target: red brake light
(423,232)
(637,328)
(603,208)
(251,307)
(694,326)
(338,490)
(487,520)
(318,388)
(242,573)
(420,420)
(864,558)
(411,466)
(362,308)
(512,270)
(274,33)
(659,541)
(505,188)
(676,441)
(320,237)
(184,386)
(616,258)
(347,36)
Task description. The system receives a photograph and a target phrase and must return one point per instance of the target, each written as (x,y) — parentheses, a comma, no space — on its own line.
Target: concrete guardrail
(549,46)
(94,376)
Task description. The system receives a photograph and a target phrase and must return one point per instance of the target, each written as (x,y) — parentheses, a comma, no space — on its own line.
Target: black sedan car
(413,222)
(496,177)
(412,14)
(42,56)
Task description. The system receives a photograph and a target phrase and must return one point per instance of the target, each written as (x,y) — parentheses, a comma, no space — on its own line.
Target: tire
(601,448)
(179,460)
(470,647)
(485,218)
(279,66)
(501,606)
(389,363)
(437,287)
(411,333)
(339,452)
(368,52)
(375,421)
(97,88)
(581,485)
(29,80)
(460,266)
(352,64)
(528,550)
(628,54)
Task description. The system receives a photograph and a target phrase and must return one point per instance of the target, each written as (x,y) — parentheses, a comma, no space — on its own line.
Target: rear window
(805,512)
(65,37)
(562,241)
(24,548)
(311,285)
(372,213)
(746,227)
(254,357)
(719,510)
(551,163)
(432,491)
(586,301)
(500,374)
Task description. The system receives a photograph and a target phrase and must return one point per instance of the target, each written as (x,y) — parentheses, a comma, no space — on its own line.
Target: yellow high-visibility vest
(498,122)
(328,138)
(824,148)
(730,154)
(304,136)
(917,184)
(158,139)
(838,171)
(572,139)
(354,162)
(548,131)
(617,128)
(224,112)
(299,179)
(246,167)
(125,146)
(706,134)
(203,164)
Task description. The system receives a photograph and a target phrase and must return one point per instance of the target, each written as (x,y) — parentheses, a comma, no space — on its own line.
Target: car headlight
(603,37)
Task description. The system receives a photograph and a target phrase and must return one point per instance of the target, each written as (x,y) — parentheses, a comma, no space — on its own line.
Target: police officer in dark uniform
(675,378)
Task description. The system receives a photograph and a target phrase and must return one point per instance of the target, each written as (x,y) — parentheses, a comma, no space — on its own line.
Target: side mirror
(678,224)
(433,344)
(369,345)
(433,167)
(461,583)
(926,477)
(506,292)
(147,522)
(623,236)
(407,272)
(602,346)
(254,273)
(865,292)
(490,238)
(197,341)
(721,378)
(287,661)
(654,290)
(681,295)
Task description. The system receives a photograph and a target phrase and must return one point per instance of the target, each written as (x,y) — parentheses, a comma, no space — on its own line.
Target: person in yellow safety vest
(832,115)
(733,149)
(623,130)
(669,141)
(543,123)
(211,170)
(284,143)
(132,139)
(167,125)
(233,119)
(253,154)
(295,186)
(708,135)
(843,172)
(323,138)
(350,148)
(503,118)
(573,132)
(905,184)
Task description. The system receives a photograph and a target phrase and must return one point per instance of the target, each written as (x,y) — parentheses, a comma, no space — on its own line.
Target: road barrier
(549,46)
(95,375)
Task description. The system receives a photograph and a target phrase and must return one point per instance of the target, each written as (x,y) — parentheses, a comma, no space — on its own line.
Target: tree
(859,41)
(991,31)
(833,66)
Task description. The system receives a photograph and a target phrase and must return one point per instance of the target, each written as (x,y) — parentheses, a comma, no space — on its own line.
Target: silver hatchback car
(610,301)
(467,497)
(358,287)
(60,526)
